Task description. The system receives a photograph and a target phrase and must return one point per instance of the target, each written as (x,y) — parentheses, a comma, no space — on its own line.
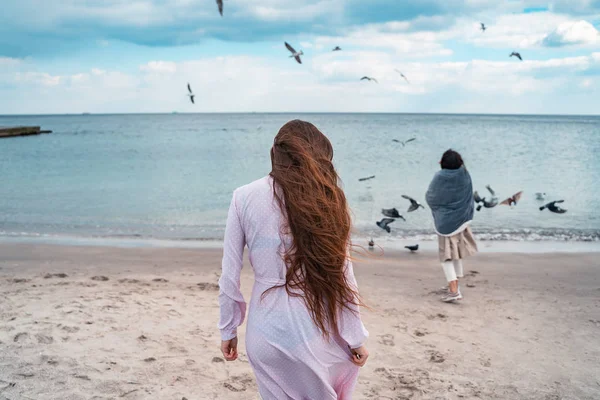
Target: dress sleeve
(231,300)
(351,327)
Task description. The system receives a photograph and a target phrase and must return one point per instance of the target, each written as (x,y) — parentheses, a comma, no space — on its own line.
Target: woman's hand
(229,349)
(360,355)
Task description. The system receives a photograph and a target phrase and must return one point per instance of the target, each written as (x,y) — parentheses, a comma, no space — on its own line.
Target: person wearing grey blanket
(450,198)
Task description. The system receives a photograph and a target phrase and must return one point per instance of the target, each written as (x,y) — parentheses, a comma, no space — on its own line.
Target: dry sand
(528,328)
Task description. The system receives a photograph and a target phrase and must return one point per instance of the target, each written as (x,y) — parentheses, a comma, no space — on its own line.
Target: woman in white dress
(304,337)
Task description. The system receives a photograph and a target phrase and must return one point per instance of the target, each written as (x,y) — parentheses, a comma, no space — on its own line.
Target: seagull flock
(489,201)
(297,54)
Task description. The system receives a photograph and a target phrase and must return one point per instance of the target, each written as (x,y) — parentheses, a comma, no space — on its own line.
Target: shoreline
(393,244)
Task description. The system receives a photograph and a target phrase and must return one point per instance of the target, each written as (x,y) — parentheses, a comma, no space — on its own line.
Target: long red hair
(306,187)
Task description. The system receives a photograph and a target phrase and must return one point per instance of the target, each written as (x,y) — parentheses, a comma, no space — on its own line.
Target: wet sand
(82,322)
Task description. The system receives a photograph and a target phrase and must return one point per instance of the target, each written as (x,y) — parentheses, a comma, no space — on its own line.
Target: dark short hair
(451,160)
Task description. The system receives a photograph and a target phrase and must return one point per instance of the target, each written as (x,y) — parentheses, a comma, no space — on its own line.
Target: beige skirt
(457,246)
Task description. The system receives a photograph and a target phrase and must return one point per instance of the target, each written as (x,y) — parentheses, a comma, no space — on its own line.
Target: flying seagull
(384,224)
(402,75)
(414,205)
(191,94)
(295,54)
(493,202)
(515,54)
(220,5)
(540,196)
(366,178)
(483,27)
(512,201)
(337,48)
(412,248)
(404,143)
(392,213)
(367,78)
(553,207)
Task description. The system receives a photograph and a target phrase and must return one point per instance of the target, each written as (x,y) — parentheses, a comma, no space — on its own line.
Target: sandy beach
(81,322)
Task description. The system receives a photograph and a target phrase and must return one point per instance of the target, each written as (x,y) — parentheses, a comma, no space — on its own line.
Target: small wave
(523,235)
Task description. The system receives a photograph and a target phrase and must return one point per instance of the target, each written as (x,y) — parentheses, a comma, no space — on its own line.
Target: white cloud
(159,66)
(9,62)
(38,78)
(278,10)
(389,36)
(573,33)
(518,31)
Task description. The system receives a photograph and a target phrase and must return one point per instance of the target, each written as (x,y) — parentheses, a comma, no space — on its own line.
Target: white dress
(290,357)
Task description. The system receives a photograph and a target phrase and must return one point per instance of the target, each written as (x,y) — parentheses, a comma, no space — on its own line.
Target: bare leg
(453,286)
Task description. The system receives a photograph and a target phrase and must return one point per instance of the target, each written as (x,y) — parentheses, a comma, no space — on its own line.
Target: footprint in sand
(238,383)
(486,362)
(70,329)
(207,286)
(19,280)
(386,340)
(21,336)
(142,338)
(217,360)
(470,285)
(174,313)
(436,357)
(99,278)
(149,359)
(438,316)
(421,332)
(133,281)
(163,280)
(44,339)
(59,275)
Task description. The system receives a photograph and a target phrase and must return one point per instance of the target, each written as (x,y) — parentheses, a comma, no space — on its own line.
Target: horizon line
(87,114)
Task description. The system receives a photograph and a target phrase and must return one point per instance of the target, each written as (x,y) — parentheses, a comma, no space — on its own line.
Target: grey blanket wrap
(450,197)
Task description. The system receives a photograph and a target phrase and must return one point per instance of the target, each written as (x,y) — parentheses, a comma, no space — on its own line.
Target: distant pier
(21,131)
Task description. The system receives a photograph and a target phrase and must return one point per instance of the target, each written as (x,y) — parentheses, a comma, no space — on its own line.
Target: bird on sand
(384,224)
(368,78)
(515,54)
(412,248)
(483,27)
(405,142)
(371,243)
(337,48)
(220,5)
(295,54)
(392,213)
(402,75)
(191,94)
(552,206)
(513,200)
(414,205)
(366,178)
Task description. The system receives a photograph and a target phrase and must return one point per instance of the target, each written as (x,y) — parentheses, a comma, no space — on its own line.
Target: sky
(136,56)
